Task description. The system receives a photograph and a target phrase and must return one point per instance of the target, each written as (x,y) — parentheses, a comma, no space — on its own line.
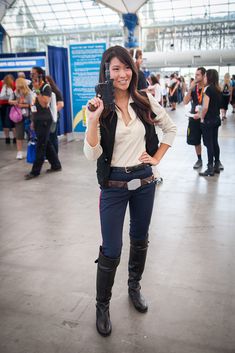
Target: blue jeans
(113,205)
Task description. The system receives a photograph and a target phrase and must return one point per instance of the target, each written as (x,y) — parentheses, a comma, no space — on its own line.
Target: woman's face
(205,80)
(120,73)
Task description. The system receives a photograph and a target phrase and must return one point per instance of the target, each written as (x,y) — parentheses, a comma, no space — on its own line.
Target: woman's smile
(120,73)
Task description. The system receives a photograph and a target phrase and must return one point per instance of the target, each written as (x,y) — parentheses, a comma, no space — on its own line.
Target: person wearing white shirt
(125,145)
(155,88)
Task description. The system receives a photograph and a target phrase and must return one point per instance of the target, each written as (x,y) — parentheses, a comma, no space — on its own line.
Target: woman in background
(7,87)
(22,97)
(210,122)
(155,88)
(60,105)
(226,89)
(173,91)
(137,56)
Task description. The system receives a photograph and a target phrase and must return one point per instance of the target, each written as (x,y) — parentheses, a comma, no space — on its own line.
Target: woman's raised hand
(94,112)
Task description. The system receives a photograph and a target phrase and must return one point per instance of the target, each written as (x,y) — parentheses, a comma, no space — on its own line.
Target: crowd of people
(32,100)
(209,105)
(123,139)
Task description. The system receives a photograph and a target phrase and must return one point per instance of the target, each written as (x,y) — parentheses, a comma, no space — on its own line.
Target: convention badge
(33,109)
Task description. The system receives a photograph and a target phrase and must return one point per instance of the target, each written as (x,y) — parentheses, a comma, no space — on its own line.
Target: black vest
(107,132)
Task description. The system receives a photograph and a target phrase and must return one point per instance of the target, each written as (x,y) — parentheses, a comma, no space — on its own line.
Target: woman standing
(155,88)
(59,105)
(22,98)
(173,92)
(210,122)
(6,88)
(126,146)
(137,56)
(226,89)
(42,120)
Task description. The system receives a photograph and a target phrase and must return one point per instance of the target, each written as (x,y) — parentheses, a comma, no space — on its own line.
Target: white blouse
(129,141)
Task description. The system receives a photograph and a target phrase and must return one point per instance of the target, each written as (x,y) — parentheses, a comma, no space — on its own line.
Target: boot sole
(207,175)
(103,334)
(142,311)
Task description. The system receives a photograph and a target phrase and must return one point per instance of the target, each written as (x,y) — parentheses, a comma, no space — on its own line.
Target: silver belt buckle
(133,184)
(127,170)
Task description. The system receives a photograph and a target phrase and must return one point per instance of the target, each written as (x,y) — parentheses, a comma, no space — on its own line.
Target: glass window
(36,18)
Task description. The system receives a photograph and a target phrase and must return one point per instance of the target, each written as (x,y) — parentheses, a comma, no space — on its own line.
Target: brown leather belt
(124,184)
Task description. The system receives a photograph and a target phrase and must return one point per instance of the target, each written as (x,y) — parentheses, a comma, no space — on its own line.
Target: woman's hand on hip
(147,159)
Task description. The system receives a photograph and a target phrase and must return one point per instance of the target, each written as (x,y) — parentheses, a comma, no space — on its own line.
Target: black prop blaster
(105,92)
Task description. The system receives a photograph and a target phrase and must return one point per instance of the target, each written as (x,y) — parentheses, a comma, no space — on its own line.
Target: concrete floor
(49,240)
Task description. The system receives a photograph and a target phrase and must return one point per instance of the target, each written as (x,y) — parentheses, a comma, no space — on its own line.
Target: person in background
(179,91)
(165,91)
(173,91)
(155,88)
(125,145)
(21,74)
(210,122)
(226,90)
(233,93)
(22,97)
(60,104)
(137,56)
(232,83)
(184,86)
(195,96)
(7,86)
(42,120)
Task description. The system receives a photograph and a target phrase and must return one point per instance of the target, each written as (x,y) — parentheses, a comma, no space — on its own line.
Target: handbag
(31,152)
(31,148)
(15,114)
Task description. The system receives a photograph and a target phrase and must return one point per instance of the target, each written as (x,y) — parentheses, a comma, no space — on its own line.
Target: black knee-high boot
(138,252)
(106,271)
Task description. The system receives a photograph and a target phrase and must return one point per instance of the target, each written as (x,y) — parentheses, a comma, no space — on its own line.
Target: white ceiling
(123,6)
(4,5)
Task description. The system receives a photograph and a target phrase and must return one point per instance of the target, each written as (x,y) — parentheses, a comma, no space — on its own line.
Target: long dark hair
(212,77)
(53,85)
(40,71)
(142,105)
(154,79)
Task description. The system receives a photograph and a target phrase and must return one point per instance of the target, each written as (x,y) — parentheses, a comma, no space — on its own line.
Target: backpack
(52,105)
(15,114)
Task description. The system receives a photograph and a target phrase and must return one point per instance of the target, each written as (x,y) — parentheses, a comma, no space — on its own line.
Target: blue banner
(21,64)
(84,62)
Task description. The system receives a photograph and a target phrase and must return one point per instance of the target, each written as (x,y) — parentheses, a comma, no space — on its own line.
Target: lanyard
(199,94)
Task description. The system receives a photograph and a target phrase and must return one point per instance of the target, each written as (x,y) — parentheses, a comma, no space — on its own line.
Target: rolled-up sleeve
(163,121)
(92,153)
